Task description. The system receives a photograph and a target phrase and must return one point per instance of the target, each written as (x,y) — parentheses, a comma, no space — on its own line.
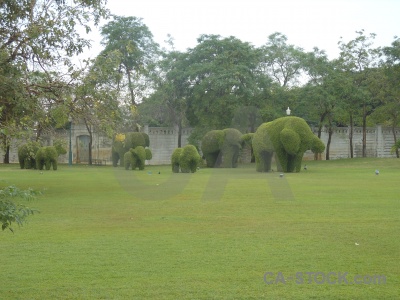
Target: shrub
(124,142)
(288,138)
(189,159)
(185,159)
(47,157)
(222,147)
(27,155)
(149,155)
(175,158)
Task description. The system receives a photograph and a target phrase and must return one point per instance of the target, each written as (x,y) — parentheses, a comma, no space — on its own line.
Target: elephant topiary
(124,142)
(185,159)
(288,138)
(135,158)
(47,156)
(221,147)
(27,155)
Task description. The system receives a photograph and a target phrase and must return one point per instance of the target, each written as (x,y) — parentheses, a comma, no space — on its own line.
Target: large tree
(223,75)
(282,61)
(37,40)
(358,61)
(138,53)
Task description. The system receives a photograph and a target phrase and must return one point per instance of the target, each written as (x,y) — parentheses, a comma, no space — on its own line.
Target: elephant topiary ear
(290,141)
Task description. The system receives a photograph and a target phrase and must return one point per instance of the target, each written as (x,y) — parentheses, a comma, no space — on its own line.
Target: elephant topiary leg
(55,165)
(212,159)
(263,161)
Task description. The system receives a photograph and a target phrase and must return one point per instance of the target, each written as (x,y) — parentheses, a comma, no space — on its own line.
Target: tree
(94,101)
(281,61)
(168,104)
(358,60)
(388,90)
(222,76)
(138,53)
(37,39)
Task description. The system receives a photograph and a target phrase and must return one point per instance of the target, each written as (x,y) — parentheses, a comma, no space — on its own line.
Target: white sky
(306,23)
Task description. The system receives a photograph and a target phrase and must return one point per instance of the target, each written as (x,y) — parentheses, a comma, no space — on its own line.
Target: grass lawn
(107,233)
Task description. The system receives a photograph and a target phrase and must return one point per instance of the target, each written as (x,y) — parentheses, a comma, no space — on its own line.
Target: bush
(135,158)
(47,157)
(288,138)
(185,159)
(11,212)
(222,147)
(149,155)
(189,159)
(27,155)
(124,142)
(175,158)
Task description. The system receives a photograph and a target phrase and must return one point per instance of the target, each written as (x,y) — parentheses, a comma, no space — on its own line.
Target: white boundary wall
(164,140)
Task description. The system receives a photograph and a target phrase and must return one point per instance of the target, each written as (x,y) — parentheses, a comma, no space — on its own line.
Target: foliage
(186,159)
(47,157)
(149,154)
(27,155)
(12,212)
(395,147)
(175,158)
(288,138)
(281,61)
(131,140)
(37,41)
(221,147)
(135,158)
(138,52)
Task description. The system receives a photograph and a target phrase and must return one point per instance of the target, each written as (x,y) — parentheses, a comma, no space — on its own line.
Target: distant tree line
(221,82)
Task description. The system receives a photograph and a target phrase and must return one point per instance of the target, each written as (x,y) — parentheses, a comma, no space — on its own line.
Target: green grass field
(107,233)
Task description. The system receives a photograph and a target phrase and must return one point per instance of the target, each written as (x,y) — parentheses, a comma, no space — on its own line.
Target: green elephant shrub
(124,142)
(47,157)
(189,159)
(27,155)
(175,158)
(288,138)
(221,148)
(186,159)
(135,158)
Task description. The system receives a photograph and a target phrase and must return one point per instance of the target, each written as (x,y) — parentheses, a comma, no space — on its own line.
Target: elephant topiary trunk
(288,138)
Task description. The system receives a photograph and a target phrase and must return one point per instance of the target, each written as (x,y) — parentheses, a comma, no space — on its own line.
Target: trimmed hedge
(135,158)
(221,148)
(27,155)
(47,157)
(124,142)
(185,159)
(175,158)
(288,138)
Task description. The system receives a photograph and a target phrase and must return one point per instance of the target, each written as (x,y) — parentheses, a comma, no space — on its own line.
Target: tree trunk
(130,87)
(395,138)
(179,135)
(330,133)
(89,129)
(6,159)
(364,128)
(321,120)
(351,135)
